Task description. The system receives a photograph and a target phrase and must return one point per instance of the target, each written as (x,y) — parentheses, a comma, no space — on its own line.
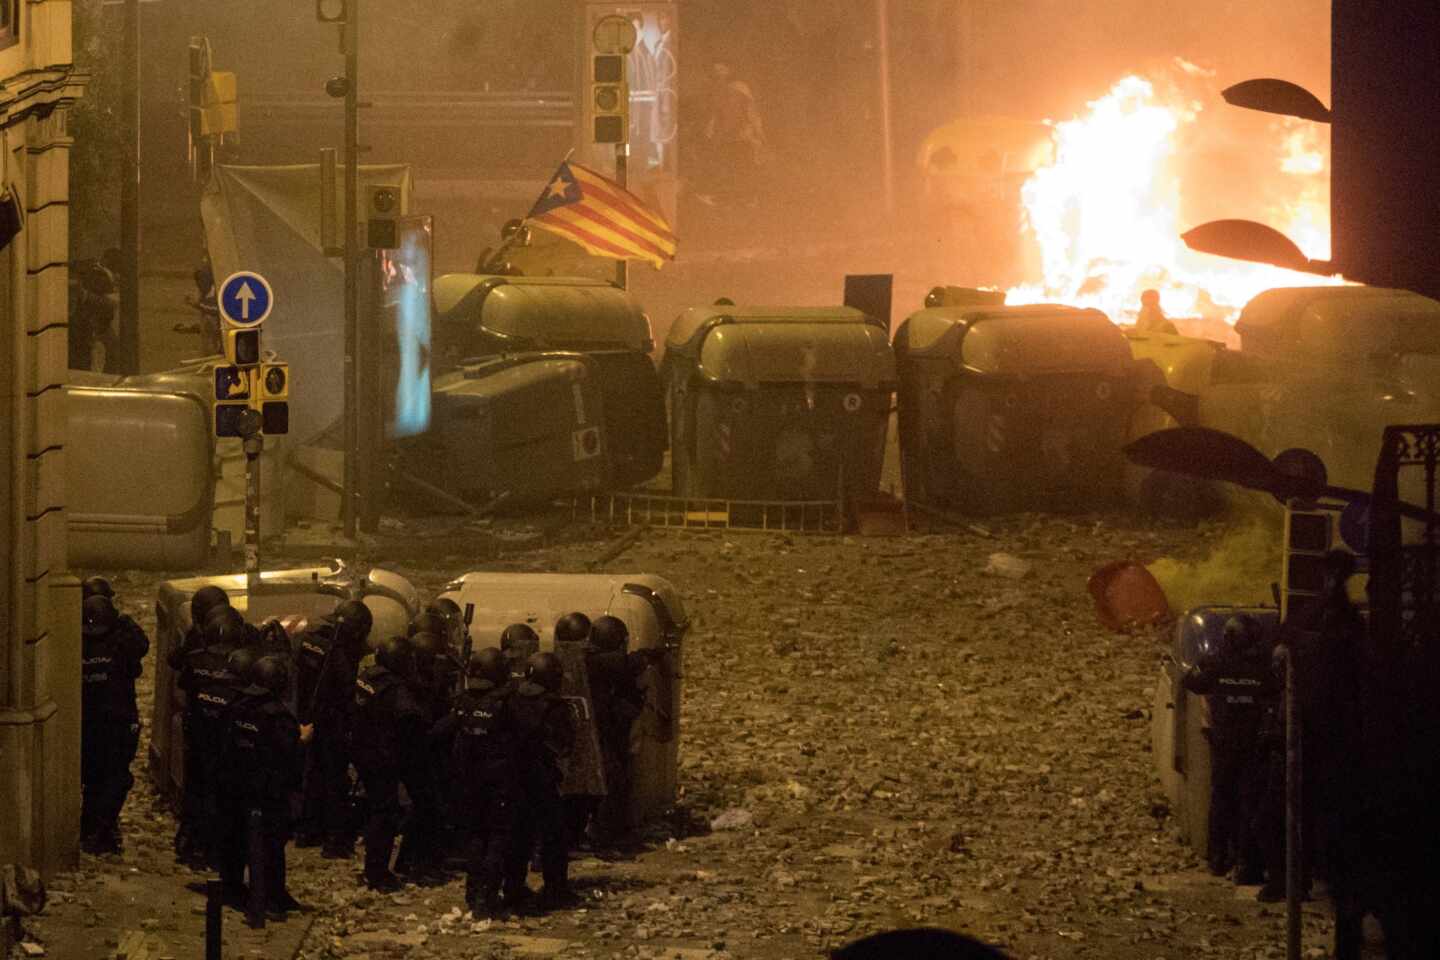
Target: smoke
(1238,569)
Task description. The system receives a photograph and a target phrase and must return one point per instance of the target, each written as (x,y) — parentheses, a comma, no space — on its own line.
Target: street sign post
(251,398)
(245,299)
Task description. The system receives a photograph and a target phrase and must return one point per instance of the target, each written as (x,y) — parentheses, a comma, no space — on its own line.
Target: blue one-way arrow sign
(246,298)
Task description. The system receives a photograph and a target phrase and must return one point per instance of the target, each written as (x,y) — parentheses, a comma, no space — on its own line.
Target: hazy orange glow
(1106,217)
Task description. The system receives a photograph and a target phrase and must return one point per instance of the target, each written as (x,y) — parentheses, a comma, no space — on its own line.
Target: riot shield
(585,775)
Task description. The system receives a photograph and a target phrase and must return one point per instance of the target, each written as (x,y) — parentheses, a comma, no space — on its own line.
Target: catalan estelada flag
(602,216)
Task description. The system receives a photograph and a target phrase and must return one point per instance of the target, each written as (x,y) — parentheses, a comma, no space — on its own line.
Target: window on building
(9,22)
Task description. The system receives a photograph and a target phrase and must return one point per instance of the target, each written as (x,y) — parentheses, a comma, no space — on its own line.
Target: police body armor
(373,737)
(252,763)
(212,687)
(484,733)
(108,679)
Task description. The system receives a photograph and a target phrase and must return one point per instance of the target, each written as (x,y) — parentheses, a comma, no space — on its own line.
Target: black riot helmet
(546,670)
(96,587)
(206,599)
(224,626)
(424,649)
(353,620)
(1240,634)
(454,618)
(489,664)
(609,634)
(447,608)
(394,655)
(97,616)
(240,661)
(572,628)
(518,642)
(428,622)
(271,673)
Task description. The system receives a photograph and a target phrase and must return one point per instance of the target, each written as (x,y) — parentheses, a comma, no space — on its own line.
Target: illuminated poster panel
(405,275)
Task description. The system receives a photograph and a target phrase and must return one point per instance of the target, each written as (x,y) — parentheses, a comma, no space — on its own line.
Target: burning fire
(1106,217)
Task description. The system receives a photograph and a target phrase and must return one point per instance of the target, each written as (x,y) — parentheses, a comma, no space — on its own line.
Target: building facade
(39,600)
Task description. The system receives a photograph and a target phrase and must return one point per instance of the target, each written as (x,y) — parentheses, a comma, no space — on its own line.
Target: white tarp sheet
(267,219)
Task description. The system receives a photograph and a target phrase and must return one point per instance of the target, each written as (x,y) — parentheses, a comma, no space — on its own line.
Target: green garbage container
(480,316)
(528,425)
(778,403)
(1012,408)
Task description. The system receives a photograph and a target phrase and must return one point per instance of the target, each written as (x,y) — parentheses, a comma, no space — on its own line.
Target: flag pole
(509,241)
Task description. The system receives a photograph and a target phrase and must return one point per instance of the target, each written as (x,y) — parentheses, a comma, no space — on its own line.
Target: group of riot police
(1242,680)
(479,745)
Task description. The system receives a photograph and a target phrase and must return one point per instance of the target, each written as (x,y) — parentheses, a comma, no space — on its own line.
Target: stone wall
(39,600)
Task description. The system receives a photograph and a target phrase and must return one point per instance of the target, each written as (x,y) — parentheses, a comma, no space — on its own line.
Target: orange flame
(1106,217)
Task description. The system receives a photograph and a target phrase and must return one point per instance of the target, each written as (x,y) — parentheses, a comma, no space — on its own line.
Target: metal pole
(887,149)
(214,919)
(622,176)
(127,359)
(352,266)
(253,446)
(1293,799)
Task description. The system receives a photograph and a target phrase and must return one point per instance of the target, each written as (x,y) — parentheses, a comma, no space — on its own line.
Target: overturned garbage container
(480,316)
(654,612)
(778,403)
(526,426)
(1012,408)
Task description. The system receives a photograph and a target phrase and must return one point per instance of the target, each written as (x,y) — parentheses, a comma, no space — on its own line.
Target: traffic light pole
(352,268)
(622,173)
(128,340)
(253,445)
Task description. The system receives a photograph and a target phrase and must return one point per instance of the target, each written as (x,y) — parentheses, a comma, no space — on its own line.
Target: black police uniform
(388,724)
(1238,688)
(109,728)
(545,736)
(431,824)
(210,687)
(326,668)
(618,701)
(481,726)
(261,771)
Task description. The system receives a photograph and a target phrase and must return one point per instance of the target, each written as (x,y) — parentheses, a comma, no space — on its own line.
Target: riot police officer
(261,771)
(209,684)
(202,602)
(545,735)
(482,729)
(433,685)
(387,721)
(618,704)
(111,659)
(100,587)
(1238,683)
(518,643)
(328,661)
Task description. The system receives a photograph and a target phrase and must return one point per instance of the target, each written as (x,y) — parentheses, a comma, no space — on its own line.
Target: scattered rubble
(924,742)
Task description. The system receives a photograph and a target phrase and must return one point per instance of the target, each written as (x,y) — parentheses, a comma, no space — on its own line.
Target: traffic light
(274,398)
(238,420)
(381,226)
(332,11)
(610,98)
(275,381)
(242,347)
